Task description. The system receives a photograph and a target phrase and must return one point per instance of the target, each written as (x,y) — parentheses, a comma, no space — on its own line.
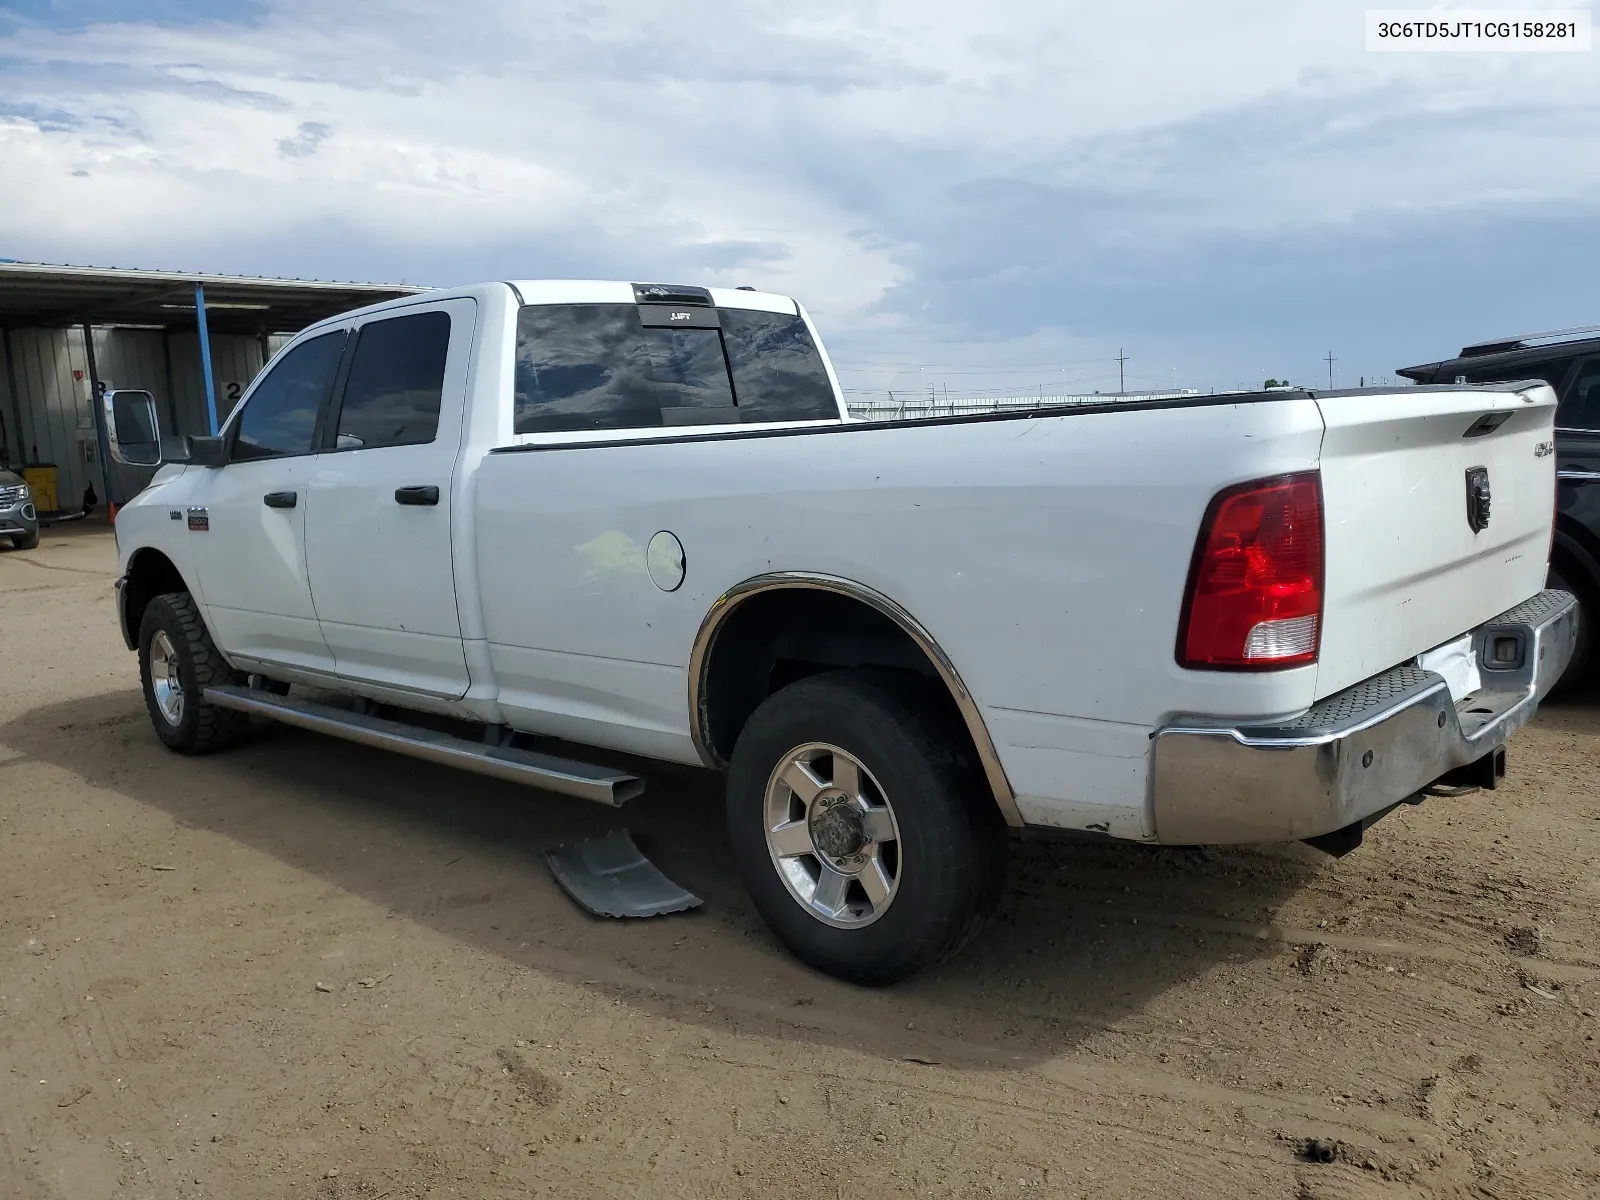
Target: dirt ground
(306,968)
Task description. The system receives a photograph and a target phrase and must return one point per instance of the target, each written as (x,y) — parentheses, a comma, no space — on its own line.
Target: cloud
(305,141)
(973,188)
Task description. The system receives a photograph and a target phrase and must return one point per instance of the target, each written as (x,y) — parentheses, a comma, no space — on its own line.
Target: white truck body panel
(1405,570)
(254,582)
(999,531)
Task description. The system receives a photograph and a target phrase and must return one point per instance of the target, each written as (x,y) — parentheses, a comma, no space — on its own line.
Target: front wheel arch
(150,574)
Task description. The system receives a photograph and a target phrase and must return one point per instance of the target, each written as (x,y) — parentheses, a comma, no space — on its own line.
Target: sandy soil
(305,968)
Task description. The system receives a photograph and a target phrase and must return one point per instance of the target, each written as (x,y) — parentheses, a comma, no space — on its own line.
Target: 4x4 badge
(1478,498)
(1544,449)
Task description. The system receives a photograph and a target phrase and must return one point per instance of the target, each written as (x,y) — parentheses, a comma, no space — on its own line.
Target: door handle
(280,499)
(416,495)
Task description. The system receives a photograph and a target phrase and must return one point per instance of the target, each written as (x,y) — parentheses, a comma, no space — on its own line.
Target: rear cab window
(395,383)
(657,364)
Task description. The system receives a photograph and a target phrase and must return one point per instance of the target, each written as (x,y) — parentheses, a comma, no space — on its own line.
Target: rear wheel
(1578,666)
(862,834)
(177,662)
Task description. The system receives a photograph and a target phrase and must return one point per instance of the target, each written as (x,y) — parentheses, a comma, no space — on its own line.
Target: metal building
(193,340)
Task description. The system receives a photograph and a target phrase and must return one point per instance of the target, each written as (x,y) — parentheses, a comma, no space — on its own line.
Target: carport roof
(45,295)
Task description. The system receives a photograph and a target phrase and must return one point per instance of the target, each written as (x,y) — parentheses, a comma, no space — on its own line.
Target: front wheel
(863,836)
(25,541)
(177,662)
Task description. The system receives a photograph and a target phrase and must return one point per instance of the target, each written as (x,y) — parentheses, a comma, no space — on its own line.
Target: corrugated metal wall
(56,424)
(50,420)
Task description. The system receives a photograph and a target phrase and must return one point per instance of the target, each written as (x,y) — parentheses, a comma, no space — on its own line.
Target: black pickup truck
(1569,361)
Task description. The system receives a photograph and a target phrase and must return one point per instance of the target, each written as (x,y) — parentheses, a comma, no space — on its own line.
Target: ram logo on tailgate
(1478,498)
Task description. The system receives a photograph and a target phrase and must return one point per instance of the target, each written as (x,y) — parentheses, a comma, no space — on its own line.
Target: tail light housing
(1256,584)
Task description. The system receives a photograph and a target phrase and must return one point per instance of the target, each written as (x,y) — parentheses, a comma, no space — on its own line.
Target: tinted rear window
(776,369)
(396,380)
(597,366)
(583,366)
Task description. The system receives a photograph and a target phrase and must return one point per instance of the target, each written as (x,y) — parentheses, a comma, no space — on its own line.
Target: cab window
(395,383)
(604,366)
(280,417)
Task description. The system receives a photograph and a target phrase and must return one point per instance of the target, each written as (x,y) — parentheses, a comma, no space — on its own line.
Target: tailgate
(1405,569)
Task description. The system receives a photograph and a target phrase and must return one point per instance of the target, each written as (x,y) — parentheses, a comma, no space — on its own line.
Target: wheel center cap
(837,830)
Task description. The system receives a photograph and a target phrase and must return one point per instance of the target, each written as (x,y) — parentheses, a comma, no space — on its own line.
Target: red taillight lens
(1255,589)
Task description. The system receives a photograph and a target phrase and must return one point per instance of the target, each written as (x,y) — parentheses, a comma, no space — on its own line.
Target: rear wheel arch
(775,629)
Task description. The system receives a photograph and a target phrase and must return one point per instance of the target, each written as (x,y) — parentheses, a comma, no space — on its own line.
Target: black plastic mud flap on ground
(611,877)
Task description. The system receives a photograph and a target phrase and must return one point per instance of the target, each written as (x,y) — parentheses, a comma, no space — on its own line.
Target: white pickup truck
(486,525)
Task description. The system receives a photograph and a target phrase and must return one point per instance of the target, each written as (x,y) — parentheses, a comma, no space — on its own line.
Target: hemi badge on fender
(200,519)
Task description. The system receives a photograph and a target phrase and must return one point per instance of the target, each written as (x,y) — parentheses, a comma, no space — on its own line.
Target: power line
(945,371)
(1041,366)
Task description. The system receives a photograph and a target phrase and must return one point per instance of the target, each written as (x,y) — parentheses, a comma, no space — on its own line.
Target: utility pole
(1122,384)
(1330,360)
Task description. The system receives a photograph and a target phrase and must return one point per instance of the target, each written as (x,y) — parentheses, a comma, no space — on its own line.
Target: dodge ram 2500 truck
(485,524)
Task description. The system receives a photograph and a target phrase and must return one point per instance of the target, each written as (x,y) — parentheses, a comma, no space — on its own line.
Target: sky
(967,197)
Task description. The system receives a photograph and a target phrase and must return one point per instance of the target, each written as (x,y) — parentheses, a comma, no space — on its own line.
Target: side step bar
(563,775)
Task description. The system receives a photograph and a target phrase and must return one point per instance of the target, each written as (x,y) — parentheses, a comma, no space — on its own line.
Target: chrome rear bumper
(1360,752)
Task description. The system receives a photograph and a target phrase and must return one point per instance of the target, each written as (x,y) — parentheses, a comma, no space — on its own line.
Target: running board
(546,771)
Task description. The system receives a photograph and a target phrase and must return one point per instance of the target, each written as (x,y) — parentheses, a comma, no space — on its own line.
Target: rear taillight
(1255,589)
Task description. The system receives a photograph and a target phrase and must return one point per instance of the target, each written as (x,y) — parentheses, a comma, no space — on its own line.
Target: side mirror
(186,450)
(132,427)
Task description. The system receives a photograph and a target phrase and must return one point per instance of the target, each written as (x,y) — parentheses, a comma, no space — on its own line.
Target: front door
(247,519)
(381,498)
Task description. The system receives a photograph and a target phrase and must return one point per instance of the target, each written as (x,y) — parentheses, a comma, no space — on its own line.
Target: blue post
(205,355)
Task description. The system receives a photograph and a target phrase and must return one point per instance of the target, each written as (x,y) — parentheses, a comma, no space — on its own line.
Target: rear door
(1407,569)
(378,517)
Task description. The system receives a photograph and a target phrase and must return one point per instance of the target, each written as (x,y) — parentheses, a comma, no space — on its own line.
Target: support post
(205,355)
(172,392)
(21,448)
(98,408)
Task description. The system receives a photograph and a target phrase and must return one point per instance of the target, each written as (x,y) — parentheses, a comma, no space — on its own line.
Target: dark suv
(1569,361)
